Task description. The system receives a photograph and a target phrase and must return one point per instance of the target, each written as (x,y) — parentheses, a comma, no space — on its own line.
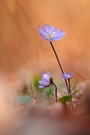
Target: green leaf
(21,100)
(48,91)
(65,99)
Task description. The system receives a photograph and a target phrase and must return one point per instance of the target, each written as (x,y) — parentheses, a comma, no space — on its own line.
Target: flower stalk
(61,68)
(50,34)
(69,88)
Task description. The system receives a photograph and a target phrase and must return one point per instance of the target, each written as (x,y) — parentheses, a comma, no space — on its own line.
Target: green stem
(55,91)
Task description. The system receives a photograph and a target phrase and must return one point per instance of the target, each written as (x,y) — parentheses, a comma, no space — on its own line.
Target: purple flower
(46,80)
(67,75)
(50,33)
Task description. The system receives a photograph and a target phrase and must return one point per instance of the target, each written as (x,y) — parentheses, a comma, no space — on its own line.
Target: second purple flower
(46,80)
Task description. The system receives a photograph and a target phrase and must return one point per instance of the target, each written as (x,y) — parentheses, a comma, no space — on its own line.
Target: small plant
(46,82)
(50,34)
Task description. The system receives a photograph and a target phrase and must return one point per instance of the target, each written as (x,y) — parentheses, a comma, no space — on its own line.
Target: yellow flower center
(49,36)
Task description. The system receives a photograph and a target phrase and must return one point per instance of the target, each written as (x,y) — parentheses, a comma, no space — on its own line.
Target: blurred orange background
(24,53)
(22,48)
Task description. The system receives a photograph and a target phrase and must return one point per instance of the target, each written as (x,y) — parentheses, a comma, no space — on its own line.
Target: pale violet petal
(44,37)
(41,87)
(57,38)
(58,31)
(41,82)
(46,28)
(52,29)
(46,76)
(41,30)
(49,74)
(63,34)
(46,83)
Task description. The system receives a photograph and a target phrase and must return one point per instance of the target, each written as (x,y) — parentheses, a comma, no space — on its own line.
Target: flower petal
(44,37)
(46,28)
(41,82)
(44,82)
(46,76)
(57,38)
(63,34)
(52,29)
(41,30)
(58,31)
(41,87)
